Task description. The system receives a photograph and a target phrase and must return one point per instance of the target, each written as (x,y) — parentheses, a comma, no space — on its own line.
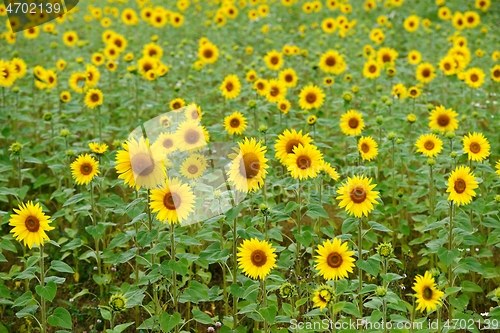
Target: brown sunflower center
(358,194)
(94,98)
(427,294)
(470,19)
(142,164)
(429,145)
(147,67)
(260,86)
(474,78)
(443,120)
(118,42)
(208,53)
(329,25)
(152,52)
(334,260)
(274,60)
(413,92)
(290,145)
(283,106)
(365,148)
(192,169)
(288,78)
(172,201)
(32,223)
(475,147)
(386,58)
(447,66)
(258,258)
(274,91)
(192,136)
(426,72)
(86,169)
(250,165)
(229,86)
(496,73)
(168,143)
(331,61)
(353,123)
(311,97)
(304,162)
(372,69)
(460,185)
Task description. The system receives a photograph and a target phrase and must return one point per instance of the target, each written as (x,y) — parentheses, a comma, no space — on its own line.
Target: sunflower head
(334,260)
(30,224)
(323,296)
(256,258)
(357,196)
(426,292)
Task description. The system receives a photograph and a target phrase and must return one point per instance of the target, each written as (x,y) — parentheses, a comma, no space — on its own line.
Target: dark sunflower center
(283,106)
(172,201)
(323,297)
(429,145)
(474,78)
(147,67)
(290,145)
(192,169)
(176,105)
(260,86)
(365,148)
(288,78)
(250,166)
(303,162)
(70,38)
(358,194)
(372,69)
(229,86)
(235,123)
(86,169)
(413,92)
(475,147)
(152,52)
(460,186)
(94,98)
(443,120)
(447,66)
(51,79)
(274,60)
(258,258)
(427,294)
(207,53)
(195,114)
(470,19)
(32,223)
(142,164)
(165,123)
(311,97)
(329,25)
(426,72)
(353,123)
(386,58)
(168,143)
(192,136)
(274,91)
(330,61)
(496,73)
(118,42)
(334,260)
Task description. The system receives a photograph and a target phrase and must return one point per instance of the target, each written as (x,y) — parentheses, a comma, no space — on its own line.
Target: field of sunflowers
(251,166)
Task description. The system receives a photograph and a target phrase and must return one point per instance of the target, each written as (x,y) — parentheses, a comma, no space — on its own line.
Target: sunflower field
(250,166)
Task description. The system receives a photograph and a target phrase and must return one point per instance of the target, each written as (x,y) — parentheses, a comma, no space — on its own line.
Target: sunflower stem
(96,241)
(153,260)
(42,283)
(235,271)
(224,274)
(174,274)
(264,302)
(431,186)
(360,272)
(299,222)
(450,247)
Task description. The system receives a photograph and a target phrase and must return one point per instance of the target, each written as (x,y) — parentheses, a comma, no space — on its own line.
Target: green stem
(174,274)
(224,282)
(264,303)
(360,271)
(96,241)
(153,260)
(235,271)
(299,222)
(42,283)
(431,186)
(450,247)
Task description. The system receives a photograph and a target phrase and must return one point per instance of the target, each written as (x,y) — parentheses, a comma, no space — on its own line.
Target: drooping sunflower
(256,258)
(427,295)
(304,162)
(425,72)
(443,119)
(323,296)
(167,143)
(461,185)
(334,260)
(274,60)
(93,98)
(140,164)
(248,168)
(476,146)
(311,97)
(84,169)
(190,136)
(332,62)
(193,166)
(371,69)
(30,224)
(289,140)
(368,148)
(351,123)
(474,77)
(329,170)
(276,91)
(173,202)
(230,87)
(429,145)
(235,123)
(357,196)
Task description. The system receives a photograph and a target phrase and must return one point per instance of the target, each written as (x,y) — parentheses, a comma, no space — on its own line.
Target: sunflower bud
(497,198)
(263,128)
(16,147)
(431,161)
(384,98)
(453,154)
(430,107)
(379,120)
(497,293)
(385,250)
(411,118)
(47,116)
(287,290)
(391,136)
(15,89)
(355,89)
(264,209)
(388,102)
(70,153)
(381,291)
(347,96)
(251,103)
(434,272)
(399,141)
(450,135)
(117,302)
(64,133)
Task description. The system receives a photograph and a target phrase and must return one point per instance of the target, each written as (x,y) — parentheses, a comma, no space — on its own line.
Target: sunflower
(251,75)
(152,50)
(289,77)
(328,81)
(497,167)
(387,56)
(139,164)
(371,69)
(70,38)
(332,62)
(146,64)
(111,65)
(30,224)
(351,123)
(474,77)
(256,258)
(93,98)
(235,123)
(447,65)
(368,148)
(425,72)
(414,57)
(93,76)
(84,169)
(444,13)
(177,104)
(276,91)
(98,59)
(193,112)
(193,166)
(429,145)
(443,119)
(399,91)
(173,202)
(495,73)
(458,21)
(274,60)
(311,97)
(230,87)
(427,295)
(98,148)
(357,196)
(413,92)
(129,17)
(311,120)
(261,85)
(248,168)
(471,19)
(329,170)
(7,74)
(483,4)
(329,25)
(208,53)
(461,185)
(288,141)
(304,162)
(65,96)
(20,67)
(190,136)
(323,296)
(167,142)
(284,106)
(334,260)
(411,23)
(476,146)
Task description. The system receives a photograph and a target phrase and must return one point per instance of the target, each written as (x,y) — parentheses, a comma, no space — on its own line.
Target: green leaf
(337,307)
(168,322)
(60,266)
(74,199)
(305,238)
(106,314)
(379,227)
(96,231)
(202,317)
(315,211)
(371,266)
(446,256)
(61,318)
(470,286)
(48,291)
(27,311)
(269,313)
(119,328)
(349,225)
(24,299)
